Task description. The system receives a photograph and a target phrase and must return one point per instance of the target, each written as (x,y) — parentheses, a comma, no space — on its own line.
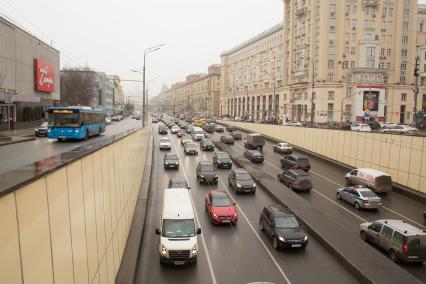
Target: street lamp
(148,50)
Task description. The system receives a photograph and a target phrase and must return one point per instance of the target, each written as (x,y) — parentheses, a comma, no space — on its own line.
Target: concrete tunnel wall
(401,156)
(71,225)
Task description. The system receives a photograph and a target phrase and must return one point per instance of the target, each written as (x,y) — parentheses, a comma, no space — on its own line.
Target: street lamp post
(148,50)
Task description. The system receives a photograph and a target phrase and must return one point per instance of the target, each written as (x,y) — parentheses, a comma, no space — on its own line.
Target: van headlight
(282,239)
(306,238)
(254,184)
(194,250)
(163,250)
(238,185)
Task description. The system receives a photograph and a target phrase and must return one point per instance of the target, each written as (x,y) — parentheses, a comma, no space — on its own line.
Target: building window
(330,108)
(405,26)
(330,64)
(404,39)
(331,50)
(353,23)
(332,22)
(402,79)
(332,8)
(352,64)
(331,95)
(406,13)
(404,97)
(331,36)
(404,53)
(330,77)
(403,66)
(371,51)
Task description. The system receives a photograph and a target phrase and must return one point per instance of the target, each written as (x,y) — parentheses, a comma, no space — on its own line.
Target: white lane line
(209,261)
(257,235)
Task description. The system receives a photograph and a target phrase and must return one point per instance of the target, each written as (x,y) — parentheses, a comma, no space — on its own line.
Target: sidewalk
(16,136)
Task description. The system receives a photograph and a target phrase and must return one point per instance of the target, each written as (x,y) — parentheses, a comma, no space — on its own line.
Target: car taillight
(404,247)
(365,201)
(296,182)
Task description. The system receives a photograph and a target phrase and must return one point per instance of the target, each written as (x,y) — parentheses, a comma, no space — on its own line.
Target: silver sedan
(360,197)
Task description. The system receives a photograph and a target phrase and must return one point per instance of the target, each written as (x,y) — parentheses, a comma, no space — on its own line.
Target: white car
(174,129)
(165,144)
(283,148)
(385,125)
(108,119)
(293,123)
(361,127)
(402,129)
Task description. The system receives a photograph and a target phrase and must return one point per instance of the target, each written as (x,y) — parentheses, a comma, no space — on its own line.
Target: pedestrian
(12,126)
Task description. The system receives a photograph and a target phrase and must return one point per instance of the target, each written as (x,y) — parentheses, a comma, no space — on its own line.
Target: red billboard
(43,76)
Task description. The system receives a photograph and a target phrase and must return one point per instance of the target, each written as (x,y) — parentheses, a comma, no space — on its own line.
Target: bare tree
(78,86)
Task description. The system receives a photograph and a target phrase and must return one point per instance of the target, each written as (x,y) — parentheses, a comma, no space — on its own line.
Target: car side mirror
(189,187)
(157,231)
(209,204)
(234,203)
(199,231)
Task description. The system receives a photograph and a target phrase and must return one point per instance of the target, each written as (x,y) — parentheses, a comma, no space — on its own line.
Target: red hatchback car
(220,208)
(181,133)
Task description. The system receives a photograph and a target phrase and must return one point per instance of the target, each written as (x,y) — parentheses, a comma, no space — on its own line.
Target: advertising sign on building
(371,100)
(43,76)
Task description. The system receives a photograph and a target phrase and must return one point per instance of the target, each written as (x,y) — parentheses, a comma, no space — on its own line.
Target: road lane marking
(209,262)
(257,235)
(339,185)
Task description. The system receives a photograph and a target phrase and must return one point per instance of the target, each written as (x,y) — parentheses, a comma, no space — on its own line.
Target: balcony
(370,3)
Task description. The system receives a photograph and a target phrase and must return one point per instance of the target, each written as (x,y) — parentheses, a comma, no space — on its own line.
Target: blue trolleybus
(75,122)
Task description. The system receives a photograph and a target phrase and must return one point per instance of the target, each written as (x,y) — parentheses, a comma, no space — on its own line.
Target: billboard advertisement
(43,76)
(371,100)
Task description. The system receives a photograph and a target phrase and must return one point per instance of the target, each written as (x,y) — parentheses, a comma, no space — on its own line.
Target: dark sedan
(295,161)
(219,128)
(222,160)
(207,145)
(254,156)
(190,148)
(282,226)
(162,129)
(171,161)
(41,130)
(296,180)
(236,135)
(206,173)
(241,181)
(227,139)
(231,128)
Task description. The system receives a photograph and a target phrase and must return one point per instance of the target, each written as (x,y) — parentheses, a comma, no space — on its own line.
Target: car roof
(165,138)
(402,227)
(215,193)
(174,196)
(170,154)
(220,152)
(373,172)
(279,211)
(240,171)
(298,156)
(205,163)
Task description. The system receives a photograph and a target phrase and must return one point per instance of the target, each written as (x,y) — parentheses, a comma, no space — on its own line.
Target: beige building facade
(349,59)
(198,94)
(421,49)
(251,81)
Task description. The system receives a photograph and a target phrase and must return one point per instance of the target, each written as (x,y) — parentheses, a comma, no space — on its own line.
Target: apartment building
(251,81)
(198,94)
(349,59)
(421,53)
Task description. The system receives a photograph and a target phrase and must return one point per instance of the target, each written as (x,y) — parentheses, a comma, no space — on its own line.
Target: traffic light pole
(416,89)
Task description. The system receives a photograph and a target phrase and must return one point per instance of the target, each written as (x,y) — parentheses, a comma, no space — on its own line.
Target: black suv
(207,145)
(206,173)
(282,227)
(171,161)
(236,135)
(241,181)
(295,161)
(162,129)
(222,160)
(178,183)
(296,180)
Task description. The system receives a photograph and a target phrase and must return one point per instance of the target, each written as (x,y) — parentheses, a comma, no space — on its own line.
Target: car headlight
(194,249)
(238,185)
(201,176)
(215,215)
(166,163)
(235,214)
(177,163)
(254,184)
(215,176)
(306,238)
(163,250)
(282,239)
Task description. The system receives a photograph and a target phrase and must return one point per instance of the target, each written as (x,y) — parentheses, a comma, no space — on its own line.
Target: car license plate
(296,245)
(226,221)
(179,262)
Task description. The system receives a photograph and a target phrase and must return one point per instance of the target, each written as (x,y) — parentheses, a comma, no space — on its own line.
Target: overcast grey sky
(110,36)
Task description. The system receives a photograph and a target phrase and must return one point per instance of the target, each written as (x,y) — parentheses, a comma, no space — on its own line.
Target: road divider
(357,256)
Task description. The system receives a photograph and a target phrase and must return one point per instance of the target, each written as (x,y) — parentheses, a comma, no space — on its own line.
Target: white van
(197,134)
(178,233)
(374,179)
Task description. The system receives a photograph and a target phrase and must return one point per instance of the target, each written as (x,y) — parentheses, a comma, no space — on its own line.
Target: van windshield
(198,132)
(178,228)
(383,180)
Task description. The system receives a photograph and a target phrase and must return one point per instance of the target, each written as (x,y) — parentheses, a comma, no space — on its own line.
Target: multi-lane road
(228,254)
(14,156)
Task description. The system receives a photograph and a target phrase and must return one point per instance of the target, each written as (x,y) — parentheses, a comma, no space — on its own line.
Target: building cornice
(254,39)
(192,82)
